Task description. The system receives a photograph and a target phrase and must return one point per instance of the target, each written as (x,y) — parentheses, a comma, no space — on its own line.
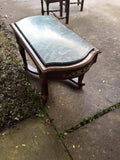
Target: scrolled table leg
(44,86)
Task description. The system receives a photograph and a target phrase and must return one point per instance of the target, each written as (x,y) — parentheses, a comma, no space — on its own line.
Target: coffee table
(57,52)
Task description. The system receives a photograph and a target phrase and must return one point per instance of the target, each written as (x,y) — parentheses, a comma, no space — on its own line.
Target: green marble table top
(53,42)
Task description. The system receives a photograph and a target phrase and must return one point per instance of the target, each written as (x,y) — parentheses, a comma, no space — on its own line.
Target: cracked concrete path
(31,140)
(99,140)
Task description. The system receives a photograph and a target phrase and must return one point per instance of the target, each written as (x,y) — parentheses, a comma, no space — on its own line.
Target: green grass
(89,119)
(17,99)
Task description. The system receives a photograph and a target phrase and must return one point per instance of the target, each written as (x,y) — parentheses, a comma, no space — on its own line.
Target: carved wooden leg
(67,10)
(22,52)
(82,3)
(47,8)
(61,8)
(80,82)
(44,86)
(44,89)
(42,8)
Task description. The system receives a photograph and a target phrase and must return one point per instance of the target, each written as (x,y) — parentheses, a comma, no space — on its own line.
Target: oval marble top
(53,42)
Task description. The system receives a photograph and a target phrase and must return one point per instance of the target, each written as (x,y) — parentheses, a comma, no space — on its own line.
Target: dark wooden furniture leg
(82,3)
(44,86)
(42,8)
(80,81)
(67,10)
(26,66)
(61,8)
(43,80)
(78,2)
(22,52)
(47,4)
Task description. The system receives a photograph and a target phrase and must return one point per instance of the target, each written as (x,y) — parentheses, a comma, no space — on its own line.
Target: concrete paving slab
(31,140)
(14,10)
(99,27)
(99,140)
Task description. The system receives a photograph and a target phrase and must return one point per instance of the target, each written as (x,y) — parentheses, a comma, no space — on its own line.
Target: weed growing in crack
(88,119)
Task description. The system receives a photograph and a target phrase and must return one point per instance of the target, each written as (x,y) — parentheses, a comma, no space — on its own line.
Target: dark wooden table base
(62,72)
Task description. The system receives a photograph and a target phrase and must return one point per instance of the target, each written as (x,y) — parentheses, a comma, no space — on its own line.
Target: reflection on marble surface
(53,42)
